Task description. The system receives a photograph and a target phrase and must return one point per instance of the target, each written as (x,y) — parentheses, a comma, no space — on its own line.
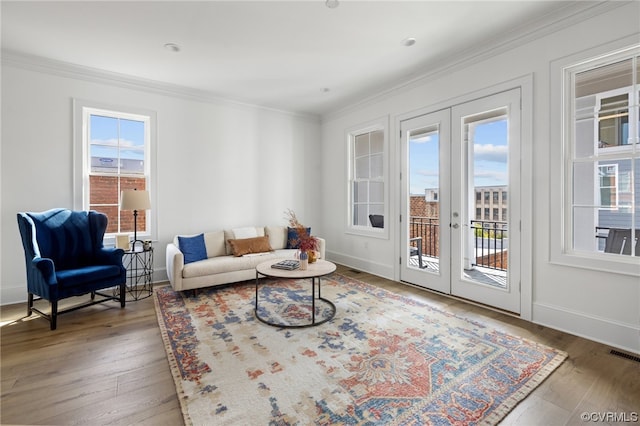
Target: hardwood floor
(104,365)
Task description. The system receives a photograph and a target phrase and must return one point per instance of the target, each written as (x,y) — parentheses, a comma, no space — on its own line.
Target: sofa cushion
(292,237)
(277,236)
(247,232)
(193,248)
(227,264)
(214,242)
(244,246)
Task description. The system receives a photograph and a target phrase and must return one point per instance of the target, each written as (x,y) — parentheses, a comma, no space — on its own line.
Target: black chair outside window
(377,220)
(619,241)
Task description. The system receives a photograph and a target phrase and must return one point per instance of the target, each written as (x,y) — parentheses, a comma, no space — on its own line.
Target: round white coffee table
(315,271)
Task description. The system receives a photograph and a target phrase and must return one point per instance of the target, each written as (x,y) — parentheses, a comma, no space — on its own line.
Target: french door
(460,221)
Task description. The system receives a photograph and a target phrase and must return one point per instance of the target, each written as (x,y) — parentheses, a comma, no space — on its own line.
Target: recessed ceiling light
(172,47)
(332,4)
(325,90)
(409,41)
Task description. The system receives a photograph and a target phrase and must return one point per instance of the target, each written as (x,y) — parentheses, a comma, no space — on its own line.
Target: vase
(304,259)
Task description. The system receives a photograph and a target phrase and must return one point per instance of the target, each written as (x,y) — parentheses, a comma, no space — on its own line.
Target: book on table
(289,264)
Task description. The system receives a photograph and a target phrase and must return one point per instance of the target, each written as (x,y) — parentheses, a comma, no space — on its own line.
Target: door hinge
(400,218)
(400,260)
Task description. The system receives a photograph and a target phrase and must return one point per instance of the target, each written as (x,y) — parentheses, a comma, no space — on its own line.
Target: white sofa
(221,266)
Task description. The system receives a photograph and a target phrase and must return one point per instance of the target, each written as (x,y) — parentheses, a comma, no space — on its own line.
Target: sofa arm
(175,264)
(321,247)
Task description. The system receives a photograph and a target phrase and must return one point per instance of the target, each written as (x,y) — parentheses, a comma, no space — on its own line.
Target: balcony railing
(429,229)
(489,239)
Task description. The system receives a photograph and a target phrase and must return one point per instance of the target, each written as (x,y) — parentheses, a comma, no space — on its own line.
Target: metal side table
(139,265)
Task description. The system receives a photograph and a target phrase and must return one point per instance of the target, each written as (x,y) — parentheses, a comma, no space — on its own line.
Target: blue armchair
(65,257)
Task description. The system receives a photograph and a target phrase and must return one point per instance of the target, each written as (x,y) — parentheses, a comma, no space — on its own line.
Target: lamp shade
(135,200)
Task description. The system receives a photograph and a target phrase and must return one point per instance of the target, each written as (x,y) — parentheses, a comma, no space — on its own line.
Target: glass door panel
(425,147)
(485,245)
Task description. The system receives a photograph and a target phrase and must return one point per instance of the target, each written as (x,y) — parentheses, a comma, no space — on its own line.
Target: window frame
(380,124)
(82,111)
(562,99)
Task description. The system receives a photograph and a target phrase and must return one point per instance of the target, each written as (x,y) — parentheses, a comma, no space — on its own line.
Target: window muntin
(117,147)
(603,152)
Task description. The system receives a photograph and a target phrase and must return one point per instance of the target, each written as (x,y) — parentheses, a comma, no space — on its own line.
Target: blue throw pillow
(292,237)
(193,248)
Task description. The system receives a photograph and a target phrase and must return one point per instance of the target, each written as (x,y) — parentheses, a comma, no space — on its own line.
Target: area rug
(384,359)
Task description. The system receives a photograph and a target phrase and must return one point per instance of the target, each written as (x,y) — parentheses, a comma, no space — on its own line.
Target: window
(487,195)
(114,153)
(478,213)
(496,215)
(496,197)
(602,152)
(368,179)
(504,196)
(478,196)
(486,214)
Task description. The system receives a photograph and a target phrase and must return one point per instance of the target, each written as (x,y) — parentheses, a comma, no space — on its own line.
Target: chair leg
(54,314)
(29,304)
(93,295)
(123,294)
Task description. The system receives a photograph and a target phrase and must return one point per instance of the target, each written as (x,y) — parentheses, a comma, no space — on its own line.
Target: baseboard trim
(366,265)
(603,330)
(11,295)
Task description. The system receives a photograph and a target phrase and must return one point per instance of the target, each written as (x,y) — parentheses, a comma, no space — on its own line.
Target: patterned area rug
(383,358)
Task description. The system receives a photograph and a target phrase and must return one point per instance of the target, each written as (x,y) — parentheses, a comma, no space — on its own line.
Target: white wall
(601,306)
(219,164)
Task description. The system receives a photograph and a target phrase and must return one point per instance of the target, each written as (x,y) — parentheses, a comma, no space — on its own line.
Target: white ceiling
(278,54)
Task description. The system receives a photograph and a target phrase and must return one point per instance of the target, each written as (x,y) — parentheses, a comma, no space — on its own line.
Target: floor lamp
(135,200)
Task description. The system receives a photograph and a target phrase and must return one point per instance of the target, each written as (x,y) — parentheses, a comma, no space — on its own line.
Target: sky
(490,158)
(104,131)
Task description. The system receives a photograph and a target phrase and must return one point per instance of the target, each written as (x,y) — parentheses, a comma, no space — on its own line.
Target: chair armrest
(110,256)
(175,265)
(46,268)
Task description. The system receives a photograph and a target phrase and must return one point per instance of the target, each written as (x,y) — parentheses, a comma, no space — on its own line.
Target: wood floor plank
(106,365)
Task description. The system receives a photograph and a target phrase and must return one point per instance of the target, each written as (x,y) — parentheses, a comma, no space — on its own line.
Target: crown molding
(572,13)
(94,75)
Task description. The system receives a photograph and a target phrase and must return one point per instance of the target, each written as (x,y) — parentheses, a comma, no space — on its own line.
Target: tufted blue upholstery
(65,257)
